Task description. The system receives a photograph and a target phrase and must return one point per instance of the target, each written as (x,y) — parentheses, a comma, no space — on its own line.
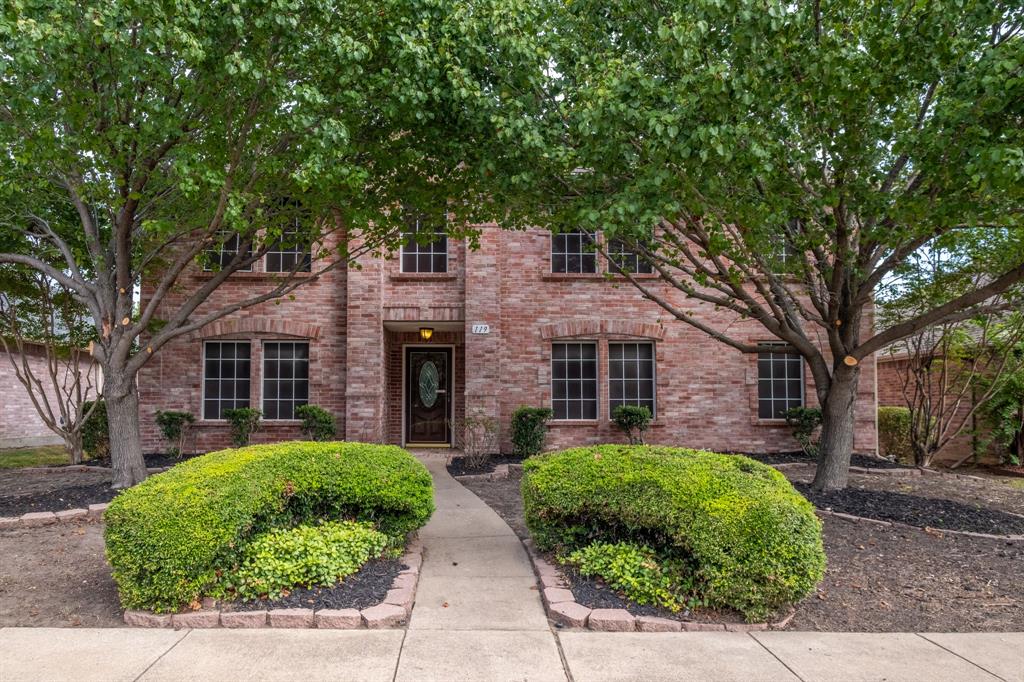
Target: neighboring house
(20,424)
(893,368)
(526,319)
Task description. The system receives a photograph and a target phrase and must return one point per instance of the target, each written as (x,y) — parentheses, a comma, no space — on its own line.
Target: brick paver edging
(896,524)
(394,611)
(83,467)
(563,609)
(46,518)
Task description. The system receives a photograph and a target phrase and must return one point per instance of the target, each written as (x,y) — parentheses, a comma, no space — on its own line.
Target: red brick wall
(706,392)
(892,373)
(20,423)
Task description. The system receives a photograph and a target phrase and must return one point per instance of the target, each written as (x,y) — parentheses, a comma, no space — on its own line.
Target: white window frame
(220,253)
(276,250)
(654,376)
(765,347)
(582,252)
(418,224)
(597,382)
(219,399)
(263,378)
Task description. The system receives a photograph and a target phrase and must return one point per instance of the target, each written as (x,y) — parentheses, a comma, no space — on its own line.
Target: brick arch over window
(570,328)
(259,325)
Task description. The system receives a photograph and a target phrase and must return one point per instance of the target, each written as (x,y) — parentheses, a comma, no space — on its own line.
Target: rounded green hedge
(172,536)
(755,543)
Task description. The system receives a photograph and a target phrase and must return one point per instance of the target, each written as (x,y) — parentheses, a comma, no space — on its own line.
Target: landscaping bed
(857,460)
(57,576)
(457,465)
(879,578)
(943,501)
(361,590)
(24,491)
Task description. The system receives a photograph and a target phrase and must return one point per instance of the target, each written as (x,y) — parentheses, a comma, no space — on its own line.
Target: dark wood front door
(428,389)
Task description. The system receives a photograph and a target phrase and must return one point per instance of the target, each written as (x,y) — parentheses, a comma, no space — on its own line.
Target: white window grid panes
(574,380)
(291,252)
(224,252)
(226,380)
(631,378)
(780,381)
(424,247)
(621,258)
(285,378)
(573,252)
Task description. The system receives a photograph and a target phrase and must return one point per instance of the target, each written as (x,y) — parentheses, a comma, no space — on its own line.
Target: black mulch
(365,588)
(886,505)
(857,460)
(71,497)
(457,467)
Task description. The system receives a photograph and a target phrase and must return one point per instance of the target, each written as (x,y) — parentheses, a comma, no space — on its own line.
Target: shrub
(633,420)
(244,421)
(894,439)
(169,537)
(804,421)
(305,555)
(754,543)
(317,423)
(95,431)
(635,571)
(477,437)
(530,430)
(175,427)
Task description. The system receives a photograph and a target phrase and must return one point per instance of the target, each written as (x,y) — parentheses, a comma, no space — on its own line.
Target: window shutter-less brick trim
(592,327)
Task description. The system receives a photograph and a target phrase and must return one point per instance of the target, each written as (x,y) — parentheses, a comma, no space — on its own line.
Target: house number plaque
(481,329)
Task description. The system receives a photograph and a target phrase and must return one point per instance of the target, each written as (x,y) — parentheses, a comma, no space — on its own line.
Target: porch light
(426,333)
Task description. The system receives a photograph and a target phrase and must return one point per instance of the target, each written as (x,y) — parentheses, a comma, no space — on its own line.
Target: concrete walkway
(478,616)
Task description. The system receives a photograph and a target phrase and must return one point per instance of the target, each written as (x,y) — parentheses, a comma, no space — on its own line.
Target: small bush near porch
(185,534)
(726,531)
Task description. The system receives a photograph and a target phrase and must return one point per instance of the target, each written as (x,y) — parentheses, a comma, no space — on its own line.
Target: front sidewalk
(478,616)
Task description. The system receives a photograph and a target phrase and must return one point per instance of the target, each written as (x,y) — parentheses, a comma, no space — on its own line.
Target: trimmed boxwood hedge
(171,537)
(754,542)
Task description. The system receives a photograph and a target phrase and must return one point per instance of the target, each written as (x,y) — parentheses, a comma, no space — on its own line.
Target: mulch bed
(857,460)
(365,588)
(457,465)
(879,578)
(886,505)
(24,490)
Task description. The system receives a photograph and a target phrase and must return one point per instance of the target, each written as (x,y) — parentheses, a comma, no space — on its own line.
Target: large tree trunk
(121,396)
(837,424)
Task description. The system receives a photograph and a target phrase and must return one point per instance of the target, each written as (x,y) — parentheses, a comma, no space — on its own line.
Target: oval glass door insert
(428,384)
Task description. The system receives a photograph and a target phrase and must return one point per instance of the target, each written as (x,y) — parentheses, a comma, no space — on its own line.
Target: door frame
(406,347)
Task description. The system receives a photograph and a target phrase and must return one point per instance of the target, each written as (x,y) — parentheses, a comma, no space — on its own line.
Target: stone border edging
(897,524)
(48,518)
(394,611)
(562,608)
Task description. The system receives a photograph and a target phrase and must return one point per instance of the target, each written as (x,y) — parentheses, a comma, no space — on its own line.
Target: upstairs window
(622,259)
(285,378)
(291,253)
(424,245)
(574,380)
(225,377)
(221,255)
(631,375)
(573,252)
(780,381)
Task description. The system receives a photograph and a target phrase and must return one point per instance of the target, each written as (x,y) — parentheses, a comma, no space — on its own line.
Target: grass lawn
(44,455)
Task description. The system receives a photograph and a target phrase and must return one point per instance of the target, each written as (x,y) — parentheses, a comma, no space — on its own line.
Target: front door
(428,388)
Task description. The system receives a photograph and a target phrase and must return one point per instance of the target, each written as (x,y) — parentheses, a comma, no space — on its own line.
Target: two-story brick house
(400,348)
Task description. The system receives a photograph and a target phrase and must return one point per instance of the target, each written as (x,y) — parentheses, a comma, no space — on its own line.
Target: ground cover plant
(179,535)
(752,542)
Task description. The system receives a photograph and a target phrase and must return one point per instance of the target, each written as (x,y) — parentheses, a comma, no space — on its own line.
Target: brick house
(525,319)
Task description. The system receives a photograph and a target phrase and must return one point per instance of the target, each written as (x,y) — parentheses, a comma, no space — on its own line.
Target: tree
(41,324)
(951,370)
(168,129)
(781,161)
